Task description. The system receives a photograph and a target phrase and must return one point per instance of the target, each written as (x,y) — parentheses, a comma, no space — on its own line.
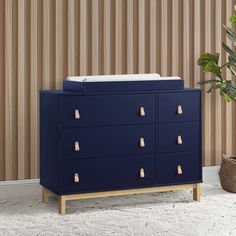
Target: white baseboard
(20,182)
(210,176)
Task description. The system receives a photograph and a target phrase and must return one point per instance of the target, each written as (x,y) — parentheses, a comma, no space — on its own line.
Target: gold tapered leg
(197,193)
(62,205)
(44,195)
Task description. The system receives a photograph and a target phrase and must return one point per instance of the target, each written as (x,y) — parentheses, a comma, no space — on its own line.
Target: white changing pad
(124,77)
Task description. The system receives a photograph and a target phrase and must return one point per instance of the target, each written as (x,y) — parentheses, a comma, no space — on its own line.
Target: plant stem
(220,78)
(224,65)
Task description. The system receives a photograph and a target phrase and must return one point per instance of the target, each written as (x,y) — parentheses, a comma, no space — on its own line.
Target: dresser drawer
(178,167)
(79,111)
(107,173)
(178,137)
(108,141)
(179,106)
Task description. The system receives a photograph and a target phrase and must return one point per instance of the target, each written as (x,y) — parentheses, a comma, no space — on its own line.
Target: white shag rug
(169,213)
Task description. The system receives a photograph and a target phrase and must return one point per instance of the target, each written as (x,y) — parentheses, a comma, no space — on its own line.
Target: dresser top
(120,78)
(68,93)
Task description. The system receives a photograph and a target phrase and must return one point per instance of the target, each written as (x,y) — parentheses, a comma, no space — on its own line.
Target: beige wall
(43,41)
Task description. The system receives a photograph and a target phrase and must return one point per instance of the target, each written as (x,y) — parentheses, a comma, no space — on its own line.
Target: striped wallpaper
(43,41)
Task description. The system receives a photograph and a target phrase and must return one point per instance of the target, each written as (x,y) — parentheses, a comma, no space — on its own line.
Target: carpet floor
(168,213)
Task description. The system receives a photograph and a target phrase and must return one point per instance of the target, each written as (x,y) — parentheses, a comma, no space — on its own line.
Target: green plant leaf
(232,61)
(232,19)
(231,89)
(231,70)
(232,39)
(205,58)
(233,84)
(224,94)
(228,90)
(213,68)
(229,30)
(229,50)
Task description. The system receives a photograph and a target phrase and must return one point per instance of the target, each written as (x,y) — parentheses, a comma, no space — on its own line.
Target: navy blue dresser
(98,144)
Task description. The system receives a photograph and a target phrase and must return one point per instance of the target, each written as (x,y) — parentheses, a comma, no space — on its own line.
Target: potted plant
(227,88)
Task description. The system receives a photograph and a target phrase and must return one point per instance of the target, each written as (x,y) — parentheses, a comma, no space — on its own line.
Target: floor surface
(168,213)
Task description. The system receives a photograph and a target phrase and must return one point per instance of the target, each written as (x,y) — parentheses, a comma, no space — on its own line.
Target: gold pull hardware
(141,111)
(77,147)
(141,142)
(179,140)
(77,114)
(141,173)
(179,110)
(179,170)
(76,178)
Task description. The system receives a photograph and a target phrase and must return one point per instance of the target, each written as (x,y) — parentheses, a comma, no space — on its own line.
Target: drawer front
(108,141)
(107,173)
(178,137)
(179,106)
(79,111)
(178,168)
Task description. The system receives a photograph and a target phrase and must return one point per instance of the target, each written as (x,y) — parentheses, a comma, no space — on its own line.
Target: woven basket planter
(227,173)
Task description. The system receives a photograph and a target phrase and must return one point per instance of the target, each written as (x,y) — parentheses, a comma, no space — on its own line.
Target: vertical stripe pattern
(44,41)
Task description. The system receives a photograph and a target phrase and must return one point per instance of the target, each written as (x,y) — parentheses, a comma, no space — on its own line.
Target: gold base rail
(63,198)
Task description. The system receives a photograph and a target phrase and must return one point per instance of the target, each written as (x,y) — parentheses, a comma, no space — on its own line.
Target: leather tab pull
(179,110)
(141,173)
(77,147)
(141,111)
(179,170)
(77,114)
(141,142)
(179,140)
(76,178)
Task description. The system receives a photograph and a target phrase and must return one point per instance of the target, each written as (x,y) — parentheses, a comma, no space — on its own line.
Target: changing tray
(122,83)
